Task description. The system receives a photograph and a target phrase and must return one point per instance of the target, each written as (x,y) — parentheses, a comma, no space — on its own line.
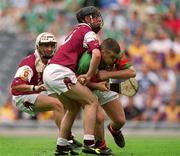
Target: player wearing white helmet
(42,40)
(29,93)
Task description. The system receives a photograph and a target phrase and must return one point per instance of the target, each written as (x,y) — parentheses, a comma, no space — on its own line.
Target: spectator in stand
(140,6)
(151,27)
(8,113)
(161,44)
(172,59)
(133,22)
(115,23)
(137,51)
(144,77)
(152,104)
(167,84)
(131,111)
(170,112)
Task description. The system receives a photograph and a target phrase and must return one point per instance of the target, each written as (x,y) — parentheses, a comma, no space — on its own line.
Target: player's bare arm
(121,74)
(102,86)
(27,88)
(95,61)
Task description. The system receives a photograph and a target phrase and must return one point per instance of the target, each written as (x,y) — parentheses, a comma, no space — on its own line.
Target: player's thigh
(115,111)
(47,103)
(81,93)
(69,103)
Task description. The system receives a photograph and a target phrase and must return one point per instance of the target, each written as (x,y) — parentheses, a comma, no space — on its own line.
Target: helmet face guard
(43,41)
(96,20)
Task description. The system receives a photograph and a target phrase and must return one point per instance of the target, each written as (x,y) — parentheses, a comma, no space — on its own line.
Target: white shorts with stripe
(106,96)
(58,78)
(26,102)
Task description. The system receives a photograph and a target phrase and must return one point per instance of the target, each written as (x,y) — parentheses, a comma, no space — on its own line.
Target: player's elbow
(96,53)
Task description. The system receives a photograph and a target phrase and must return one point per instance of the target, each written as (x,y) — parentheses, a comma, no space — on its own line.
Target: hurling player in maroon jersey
(29,93)
(60,78)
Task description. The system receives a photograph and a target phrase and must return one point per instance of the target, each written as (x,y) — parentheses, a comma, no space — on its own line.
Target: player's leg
(111,104)
(99,131)
(99,128)
(46,103)
(115,112)
(73,109)
(60,79)
(86,95)
(69,105)
(86,98)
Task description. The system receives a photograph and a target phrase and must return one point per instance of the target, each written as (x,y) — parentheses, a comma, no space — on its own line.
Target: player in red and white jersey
(29,93)
(27,82)
(60,78)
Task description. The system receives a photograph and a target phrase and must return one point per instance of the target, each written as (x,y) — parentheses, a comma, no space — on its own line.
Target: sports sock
(89,140)
(62,142)
(71,137)
(114,129)
(101,144)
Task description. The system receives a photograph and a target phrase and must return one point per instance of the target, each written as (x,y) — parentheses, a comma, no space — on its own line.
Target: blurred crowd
(147,30)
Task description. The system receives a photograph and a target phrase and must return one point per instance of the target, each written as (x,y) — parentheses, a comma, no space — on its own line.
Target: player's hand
(102,75)
(103,86)
(84,79)
(40,88)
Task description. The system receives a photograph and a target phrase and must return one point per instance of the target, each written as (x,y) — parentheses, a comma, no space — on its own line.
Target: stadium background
(147,30)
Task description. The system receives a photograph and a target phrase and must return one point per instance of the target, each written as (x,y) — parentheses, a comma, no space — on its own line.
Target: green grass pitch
(135,146)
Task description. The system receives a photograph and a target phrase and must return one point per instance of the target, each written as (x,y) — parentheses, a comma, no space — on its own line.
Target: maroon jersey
(80,39)
(27,74)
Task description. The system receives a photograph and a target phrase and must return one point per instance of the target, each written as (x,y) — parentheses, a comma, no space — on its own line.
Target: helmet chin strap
(47,57)
(95,29)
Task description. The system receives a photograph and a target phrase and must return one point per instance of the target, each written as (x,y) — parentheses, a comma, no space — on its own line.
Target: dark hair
(90,10)
(110,44)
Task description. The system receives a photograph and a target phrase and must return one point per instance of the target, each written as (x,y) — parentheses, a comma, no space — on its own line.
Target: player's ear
(103,51)
(87,19)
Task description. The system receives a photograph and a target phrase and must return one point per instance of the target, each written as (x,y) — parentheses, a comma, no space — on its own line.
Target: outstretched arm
(120,74)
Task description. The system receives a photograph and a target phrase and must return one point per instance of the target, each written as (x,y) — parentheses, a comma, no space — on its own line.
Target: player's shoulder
(84,27)
(28,60)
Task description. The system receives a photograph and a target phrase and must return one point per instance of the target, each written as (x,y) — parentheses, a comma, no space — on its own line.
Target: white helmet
(45,37)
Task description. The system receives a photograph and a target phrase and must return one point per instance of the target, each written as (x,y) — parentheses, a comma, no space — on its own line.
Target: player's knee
(92,101)
(100,118)
(121,121)
(57,105)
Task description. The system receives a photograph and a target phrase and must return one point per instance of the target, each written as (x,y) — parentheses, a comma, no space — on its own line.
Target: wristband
(34,88)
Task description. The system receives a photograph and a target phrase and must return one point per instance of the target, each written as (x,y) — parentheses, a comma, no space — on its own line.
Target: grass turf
(135,146)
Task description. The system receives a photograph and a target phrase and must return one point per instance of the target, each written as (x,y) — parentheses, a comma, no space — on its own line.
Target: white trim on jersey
(25,72)
(89,36)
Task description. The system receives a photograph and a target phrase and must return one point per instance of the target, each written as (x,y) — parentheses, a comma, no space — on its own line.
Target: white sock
(62,142)
(89,137)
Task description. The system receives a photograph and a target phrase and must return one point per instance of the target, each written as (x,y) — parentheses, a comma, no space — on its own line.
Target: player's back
(73,47)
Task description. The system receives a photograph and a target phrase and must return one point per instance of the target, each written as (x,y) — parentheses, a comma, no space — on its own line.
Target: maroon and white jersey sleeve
(80,39)
(90,41)
(26,74)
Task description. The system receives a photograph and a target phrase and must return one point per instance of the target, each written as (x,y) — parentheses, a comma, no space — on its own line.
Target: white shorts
(106,96)
(58,78)
(26,102)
